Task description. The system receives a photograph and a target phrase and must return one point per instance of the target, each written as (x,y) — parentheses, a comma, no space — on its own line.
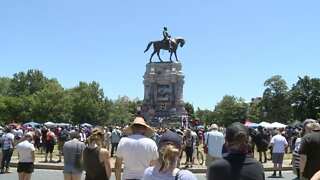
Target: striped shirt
(296,154)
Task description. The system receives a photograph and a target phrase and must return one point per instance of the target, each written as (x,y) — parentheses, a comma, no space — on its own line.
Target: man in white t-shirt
(138,151)
(214,140)
(26,157)
(278,143)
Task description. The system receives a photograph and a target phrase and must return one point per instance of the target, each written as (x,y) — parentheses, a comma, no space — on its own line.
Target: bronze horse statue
(157,45)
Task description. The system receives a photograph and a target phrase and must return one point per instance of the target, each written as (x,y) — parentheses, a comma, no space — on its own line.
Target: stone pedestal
(163,92)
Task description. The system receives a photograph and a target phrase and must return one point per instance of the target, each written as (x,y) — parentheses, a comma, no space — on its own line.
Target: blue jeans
(113,148)
(6,158)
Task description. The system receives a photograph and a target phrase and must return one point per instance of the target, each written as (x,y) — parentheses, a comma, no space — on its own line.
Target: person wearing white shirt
(26,158)
(138,151)
(214,141)
(278,143)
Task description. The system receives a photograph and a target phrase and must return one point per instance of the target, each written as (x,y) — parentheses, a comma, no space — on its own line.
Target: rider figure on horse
(166,37)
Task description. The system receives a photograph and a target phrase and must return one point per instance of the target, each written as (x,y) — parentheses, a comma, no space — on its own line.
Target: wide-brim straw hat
(149,132)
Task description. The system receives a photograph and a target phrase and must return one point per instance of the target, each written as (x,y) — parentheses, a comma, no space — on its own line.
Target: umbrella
(276,125)
(254,125)
(86,125)
(200,126)
(31,124)
(264,124)
(49,123)
(62,124)
(297,123)
(247,123)
(13,124)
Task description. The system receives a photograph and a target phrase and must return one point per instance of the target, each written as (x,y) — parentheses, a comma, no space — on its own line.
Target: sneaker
(7,170)
(273,175)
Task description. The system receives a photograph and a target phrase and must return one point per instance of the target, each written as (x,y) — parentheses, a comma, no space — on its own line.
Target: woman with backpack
(189,144)
(50,142)
(72,153)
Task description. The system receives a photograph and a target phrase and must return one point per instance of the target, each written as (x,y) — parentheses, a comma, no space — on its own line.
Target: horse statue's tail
(150,43)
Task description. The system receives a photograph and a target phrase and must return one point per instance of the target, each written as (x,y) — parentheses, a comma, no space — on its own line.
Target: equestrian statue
(166,44)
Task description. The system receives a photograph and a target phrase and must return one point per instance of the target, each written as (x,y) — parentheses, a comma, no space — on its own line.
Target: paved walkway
(40,164)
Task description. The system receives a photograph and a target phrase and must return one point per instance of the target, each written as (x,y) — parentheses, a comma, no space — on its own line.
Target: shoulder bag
(205,147)
(79,158)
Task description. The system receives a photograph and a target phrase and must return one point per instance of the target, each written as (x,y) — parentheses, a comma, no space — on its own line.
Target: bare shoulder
(104,152)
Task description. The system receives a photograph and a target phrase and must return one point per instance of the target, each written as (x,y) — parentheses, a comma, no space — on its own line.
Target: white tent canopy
(276,125)
(62,124)
(264,124)
(86,125)
(49,123)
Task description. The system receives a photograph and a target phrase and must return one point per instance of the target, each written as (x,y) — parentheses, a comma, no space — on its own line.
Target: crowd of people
(144,152)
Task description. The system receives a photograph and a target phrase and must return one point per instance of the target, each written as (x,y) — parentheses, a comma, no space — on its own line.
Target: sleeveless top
(95,170)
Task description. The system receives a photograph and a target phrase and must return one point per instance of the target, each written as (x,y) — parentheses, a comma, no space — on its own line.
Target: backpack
(197,141)
(64,136)
(190,142)
(52,140)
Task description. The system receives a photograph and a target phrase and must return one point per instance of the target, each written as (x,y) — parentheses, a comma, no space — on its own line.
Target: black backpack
(190,142)
(52,140)
(64,136)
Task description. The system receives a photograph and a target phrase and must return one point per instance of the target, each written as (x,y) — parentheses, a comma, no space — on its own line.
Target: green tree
(88,101)
(189,108)
(123,110)
(27,83)
(52,103)
(13,109)
(275,101)
(255,111)
(305,98)
(4,86)
(229,110)
(205,116)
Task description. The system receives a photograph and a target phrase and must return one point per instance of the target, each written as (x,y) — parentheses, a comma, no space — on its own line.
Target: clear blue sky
(232,46)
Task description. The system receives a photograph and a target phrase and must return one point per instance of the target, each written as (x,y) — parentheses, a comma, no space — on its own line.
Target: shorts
(25,167)
(210,159)
(262,147)
(60,145)
(49,148)
(277,158)
(69,168)
(107,143)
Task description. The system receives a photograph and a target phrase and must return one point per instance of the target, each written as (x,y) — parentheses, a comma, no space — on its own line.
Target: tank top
(92,165)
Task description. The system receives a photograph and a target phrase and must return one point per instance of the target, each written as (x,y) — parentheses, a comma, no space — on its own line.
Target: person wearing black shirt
(262,143)
(239,164)
(309,152)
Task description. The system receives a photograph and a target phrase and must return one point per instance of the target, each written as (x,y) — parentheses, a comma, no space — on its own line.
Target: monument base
(163,93)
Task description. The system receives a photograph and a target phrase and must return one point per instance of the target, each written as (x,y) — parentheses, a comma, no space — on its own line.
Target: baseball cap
(234,129)
(170,138)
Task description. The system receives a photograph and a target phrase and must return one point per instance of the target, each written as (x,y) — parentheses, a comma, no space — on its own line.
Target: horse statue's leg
(152,56)
(171,55)
(159,56)
(175,54)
